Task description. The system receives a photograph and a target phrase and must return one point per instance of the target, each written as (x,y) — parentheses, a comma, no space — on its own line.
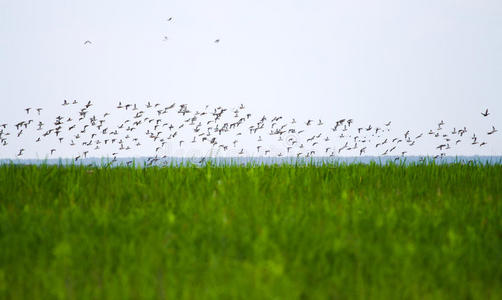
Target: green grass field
(263,232)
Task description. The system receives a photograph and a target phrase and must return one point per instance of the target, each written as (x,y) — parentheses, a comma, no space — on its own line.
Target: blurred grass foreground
(420,231)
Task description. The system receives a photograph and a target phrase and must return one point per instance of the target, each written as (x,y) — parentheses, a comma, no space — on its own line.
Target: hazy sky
(412,62)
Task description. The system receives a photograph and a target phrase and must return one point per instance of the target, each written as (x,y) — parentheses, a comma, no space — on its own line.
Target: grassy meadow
(356,231)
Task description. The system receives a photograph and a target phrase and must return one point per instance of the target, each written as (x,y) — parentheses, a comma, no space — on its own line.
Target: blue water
(222,161)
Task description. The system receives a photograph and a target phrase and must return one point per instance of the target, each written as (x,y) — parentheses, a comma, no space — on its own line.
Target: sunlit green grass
(283,232)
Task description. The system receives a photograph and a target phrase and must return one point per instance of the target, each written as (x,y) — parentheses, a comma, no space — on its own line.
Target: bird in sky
(486,113)
(87,42)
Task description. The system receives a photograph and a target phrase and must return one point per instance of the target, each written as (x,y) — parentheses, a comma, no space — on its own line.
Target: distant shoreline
(176,161)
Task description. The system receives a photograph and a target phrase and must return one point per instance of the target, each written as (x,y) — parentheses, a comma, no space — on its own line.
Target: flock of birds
(165,130)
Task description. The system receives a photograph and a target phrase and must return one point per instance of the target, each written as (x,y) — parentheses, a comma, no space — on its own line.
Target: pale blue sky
(412,62)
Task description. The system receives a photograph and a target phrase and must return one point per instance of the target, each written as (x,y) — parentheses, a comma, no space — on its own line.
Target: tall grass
(332,231)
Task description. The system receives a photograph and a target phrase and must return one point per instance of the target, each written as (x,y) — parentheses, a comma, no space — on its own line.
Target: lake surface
(222,161)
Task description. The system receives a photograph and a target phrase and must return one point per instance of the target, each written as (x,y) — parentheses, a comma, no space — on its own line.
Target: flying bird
(492,131)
